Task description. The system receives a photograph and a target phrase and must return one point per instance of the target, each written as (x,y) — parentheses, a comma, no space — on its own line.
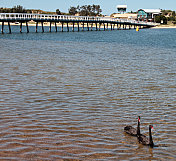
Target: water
(68,96)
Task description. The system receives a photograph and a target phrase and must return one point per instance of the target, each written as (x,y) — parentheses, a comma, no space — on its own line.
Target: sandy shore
(165,26)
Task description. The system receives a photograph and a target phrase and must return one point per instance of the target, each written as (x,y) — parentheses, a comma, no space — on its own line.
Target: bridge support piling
(83,26)
(111,26)
(99,26)
(50,27)
(56,26)
(36,27)
(67,27)
(27,27)
(91,26)
(78,26)
(9,28)
(21,27)
(104,27)
(87,26)
(42,27)
(2,29)
(96,27)
(107,26)
(62,27)
(73,29)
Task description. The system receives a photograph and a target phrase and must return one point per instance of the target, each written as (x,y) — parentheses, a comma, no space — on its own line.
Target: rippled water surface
(68,96)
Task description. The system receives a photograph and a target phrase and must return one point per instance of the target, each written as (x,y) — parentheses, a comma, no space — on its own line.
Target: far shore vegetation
(166,17)
(85,10)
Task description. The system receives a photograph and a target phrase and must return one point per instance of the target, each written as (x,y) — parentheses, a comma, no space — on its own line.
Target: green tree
(18,9)
(58,12)
(73,10)
(160,18)
(89,9)
(166,12)
(78,8)
(98,10)
(84,11)
(171,18)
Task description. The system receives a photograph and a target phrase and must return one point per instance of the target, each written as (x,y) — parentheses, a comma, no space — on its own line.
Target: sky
(108,6)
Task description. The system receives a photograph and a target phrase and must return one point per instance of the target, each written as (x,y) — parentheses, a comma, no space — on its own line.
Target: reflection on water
(69,95)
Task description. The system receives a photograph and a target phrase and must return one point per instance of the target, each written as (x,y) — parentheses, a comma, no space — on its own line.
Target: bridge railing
(28,17)
(47,17)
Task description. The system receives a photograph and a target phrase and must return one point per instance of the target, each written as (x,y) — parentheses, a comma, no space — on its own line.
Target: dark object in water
(145,140)
(131,130)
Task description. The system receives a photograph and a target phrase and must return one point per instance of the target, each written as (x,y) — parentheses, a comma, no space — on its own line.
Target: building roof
(121,6)
(152,10)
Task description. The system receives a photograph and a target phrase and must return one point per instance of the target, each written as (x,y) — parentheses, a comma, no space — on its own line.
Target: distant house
(148,14)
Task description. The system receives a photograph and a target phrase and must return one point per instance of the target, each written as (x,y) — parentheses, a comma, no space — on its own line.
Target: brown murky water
(70,100)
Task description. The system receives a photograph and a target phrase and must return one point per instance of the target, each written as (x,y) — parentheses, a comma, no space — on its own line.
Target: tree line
(21,9)
(15,9)
(85,10)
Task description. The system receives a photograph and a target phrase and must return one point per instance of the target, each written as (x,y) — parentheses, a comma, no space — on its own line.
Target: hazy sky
(108,6)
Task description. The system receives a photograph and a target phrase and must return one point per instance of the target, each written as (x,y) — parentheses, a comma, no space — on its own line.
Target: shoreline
(164,27)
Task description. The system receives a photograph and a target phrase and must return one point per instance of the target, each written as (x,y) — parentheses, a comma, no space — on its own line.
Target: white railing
(26,16)
(47,17)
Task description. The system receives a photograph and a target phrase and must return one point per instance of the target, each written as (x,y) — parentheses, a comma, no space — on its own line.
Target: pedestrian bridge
(87,21)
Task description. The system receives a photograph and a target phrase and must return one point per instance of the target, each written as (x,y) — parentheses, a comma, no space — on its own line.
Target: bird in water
(131,130)
(144,140)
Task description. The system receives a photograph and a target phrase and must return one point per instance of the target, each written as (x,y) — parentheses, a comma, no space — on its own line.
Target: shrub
(158,19)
